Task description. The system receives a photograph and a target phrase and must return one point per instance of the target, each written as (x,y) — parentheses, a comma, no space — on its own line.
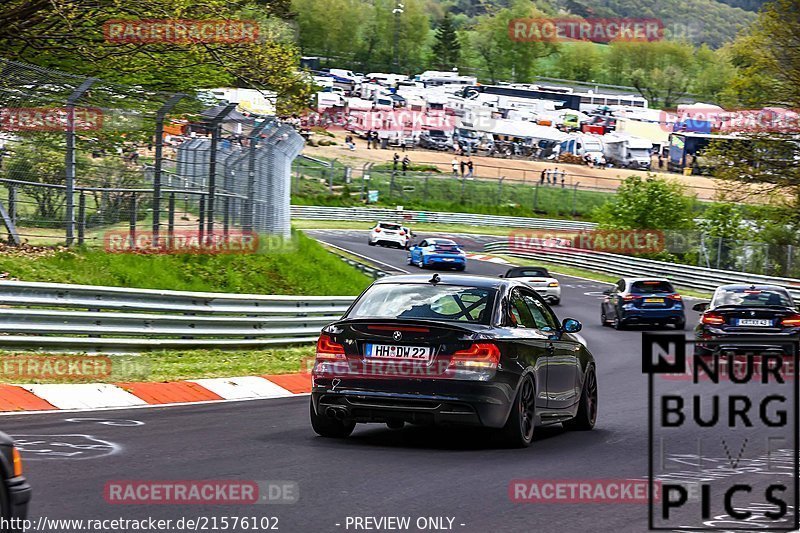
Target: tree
(501,57)
(447,48)
(651,203)
(68,35)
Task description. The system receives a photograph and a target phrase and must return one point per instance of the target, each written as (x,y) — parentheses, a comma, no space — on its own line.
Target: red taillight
(17,459)
(327,349)
(479,355)
(377,230)
(714,319)
(629,298)
(791,320)
(676,297)
(402,233)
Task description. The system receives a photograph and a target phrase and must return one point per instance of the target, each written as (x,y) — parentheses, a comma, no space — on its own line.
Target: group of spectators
(467,167)
(551,177)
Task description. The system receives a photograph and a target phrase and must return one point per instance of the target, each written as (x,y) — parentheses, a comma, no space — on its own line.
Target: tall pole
(157,170)
(214,124)
(69,163)
(397,12)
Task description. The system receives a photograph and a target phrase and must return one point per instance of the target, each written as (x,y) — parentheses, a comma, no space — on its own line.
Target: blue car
(437,252)
(642,301)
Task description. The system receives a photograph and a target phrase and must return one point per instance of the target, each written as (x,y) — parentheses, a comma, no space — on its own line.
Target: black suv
(15,492)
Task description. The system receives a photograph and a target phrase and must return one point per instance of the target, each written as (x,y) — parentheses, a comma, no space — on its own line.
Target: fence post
(500,190)
(250,204)
(12,203)
(214,124)
(69,158)
(161,114)
(536,197)
(81,218)
(575,197)
(202,215)
(226,217)
(132,222)
(171,219)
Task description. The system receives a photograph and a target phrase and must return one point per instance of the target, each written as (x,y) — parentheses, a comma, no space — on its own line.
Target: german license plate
(389,351)
(763,322)
(654,300)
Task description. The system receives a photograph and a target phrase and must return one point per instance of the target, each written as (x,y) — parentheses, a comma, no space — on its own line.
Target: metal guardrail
(83,318)
(373,214)
(687,276)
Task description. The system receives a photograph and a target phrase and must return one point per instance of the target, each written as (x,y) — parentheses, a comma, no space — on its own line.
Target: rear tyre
(617,323)
(5,501)
(460,268)
(586,416)
(370,243)
(603,319)
(518,431)
(680,325)
(330,427)
(557,301)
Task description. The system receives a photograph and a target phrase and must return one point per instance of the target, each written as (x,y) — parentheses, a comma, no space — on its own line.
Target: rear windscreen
(395,227)
(529,273)
(651,287)
(425,301)
(752,298)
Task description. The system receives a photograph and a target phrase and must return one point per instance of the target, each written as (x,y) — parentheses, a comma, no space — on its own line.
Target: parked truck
(626,151)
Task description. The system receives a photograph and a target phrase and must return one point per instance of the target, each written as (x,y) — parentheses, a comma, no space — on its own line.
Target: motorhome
(434,78)
(628,151)
(583,144)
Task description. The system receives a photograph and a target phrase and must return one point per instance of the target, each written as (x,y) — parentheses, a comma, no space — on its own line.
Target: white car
(540,280)
(389,233)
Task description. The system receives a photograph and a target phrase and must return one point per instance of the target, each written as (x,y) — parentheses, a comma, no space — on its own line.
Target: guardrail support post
(69,162)
(161,114)
(81,218)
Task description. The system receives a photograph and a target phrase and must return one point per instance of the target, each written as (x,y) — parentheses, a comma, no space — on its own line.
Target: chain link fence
(81,157)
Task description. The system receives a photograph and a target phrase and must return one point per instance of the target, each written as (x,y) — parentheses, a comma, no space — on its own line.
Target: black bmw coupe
(453,349)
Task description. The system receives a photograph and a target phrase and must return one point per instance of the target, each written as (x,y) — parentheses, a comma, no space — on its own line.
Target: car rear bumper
(400,241)
(445,260)
(743,343)
(549,293)
(418,401)
(19,493)
(645,316)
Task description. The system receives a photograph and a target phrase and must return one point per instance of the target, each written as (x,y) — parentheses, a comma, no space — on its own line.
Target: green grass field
(299,266)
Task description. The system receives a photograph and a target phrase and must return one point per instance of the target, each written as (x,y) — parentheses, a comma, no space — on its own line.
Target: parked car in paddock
(642,301)
(437,253)
(741,318)
(452,349)
(15,492)
(389,234)
(540,280)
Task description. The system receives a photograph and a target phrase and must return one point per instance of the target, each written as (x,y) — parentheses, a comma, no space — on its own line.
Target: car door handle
(551,349)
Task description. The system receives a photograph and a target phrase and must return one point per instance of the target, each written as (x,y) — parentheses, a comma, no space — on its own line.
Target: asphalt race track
(415,472)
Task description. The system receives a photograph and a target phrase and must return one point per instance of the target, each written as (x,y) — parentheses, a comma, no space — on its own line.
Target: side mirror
(570,325)
(701,307)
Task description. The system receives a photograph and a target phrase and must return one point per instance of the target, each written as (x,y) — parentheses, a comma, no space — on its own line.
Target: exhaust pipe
(336,413)
(340,414)
(330,412)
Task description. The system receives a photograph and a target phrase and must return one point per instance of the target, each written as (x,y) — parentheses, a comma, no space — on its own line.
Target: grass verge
(299,266)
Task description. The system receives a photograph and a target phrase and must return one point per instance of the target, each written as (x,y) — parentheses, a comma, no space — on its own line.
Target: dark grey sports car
(15,492)
(452,349)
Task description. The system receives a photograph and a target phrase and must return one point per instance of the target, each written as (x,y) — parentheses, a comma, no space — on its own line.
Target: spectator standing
(543,176)
(369,140)
(470,168)
(406,164)
(463,168)
(454,164)
(395,161)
